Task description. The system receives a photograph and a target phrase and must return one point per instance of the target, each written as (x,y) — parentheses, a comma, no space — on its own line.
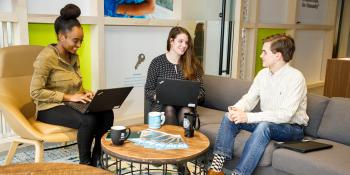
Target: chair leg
(11,152)
(64,144)
(39,151)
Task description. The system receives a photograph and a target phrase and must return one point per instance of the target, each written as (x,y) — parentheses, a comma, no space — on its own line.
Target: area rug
(25,154)
(69,154)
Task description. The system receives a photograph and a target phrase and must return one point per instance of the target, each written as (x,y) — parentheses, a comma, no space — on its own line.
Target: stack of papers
(150,138)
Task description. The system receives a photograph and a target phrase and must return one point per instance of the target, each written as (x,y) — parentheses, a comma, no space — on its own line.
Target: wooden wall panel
(337,78)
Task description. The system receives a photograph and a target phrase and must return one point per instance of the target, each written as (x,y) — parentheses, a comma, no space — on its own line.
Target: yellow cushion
(49,128)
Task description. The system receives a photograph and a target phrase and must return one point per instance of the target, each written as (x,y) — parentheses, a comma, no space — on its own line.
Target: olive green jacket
(53,77)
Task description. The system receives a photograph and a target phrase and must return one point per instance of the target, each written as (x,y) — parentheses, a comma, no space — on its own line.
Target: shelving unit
(254,15)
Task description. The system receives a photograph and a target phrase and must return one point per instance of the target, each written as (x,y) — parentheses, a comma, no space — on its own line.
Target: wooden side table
(198,147)
(51,168)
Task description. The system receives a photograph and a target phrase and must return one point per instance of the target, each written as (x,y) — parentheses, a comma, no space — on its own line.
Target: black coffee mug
(119,134)
(191,123)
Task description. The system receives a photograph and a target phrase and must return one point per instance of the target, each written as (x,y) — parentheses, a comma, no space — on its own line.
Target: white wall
(5,6)
(308,54)
(204,9)
(273,11)
(123,44)
(53,7)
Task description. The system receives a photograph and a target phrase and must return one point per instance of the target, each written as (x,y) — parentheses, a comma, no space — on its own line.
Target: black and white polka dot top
(160,67)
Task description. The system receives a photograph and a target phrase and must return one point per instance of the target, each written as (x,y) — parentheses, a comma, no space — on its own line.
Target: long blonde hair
(191,66)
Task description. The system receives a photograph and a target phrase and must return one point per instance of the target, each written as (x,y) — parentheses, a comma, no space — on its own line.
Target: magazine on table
(154,139)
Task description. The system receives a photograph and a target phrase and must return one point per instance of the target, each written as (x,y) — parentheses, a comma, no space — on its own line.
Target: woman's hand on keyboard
(84,98)
(90,95)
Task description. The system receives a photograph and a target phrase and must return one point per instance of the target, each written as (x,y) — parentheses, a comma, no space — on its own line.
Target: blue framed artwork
(146,9)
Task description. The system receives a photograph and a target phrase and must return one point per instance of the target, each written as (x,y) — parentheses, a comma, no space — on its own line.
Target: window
(6,34)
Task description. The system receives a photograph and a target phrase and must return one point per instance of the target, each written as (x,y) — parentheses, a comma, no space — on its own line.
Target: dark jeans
(90,126)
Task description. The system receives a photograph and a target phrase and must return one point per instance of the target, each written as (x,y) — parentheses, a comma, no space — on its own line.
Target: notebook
(177,92)
(104,99)
(303,146)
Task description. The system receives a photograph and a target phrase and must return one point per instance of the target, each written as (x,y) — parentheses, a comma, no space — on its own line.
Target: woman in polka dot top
(177,63)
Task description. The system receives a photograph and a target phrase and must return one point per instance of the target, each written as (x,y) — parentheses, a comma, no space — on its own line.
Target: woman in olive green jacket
(57,79)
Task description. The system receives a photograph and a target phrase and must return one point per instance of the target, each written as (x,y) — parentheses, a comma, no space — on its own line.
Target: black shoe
(182,169)
(96,163)
(96,160)
(85,162)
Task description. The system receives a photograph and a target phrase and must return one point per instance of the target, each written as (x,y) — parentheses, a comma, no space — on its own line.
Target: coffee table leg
(120,166)
(117,167)
(165,169)
(195,167)
(132,168)
(148,168)
(140,169)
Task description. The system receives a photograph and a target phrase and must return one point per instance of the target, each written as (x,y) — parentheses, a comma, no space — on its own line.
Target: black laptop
(177,92)
(303,146)
(104,99)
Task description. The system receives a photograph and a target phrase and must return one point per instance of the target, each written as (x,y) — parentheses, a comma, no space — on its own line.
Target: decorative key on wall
(140,59)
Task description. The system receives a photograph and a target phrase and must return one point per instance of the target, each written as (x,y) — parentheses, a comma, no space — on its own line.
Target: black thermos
(190,124)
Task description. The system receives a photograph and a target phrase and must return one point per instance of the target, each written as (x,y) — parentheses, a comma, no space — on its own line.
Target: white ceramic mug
(155,119)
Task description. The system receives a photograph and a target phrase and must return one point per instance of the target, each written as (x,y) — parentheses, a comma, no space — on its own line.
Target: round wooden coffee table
(198,146)
(51,168)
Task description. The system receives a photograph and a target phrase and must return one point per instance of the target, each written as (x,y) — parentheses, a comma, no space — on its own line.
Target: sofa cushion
(209,116)
(211,130)
(316,106)
(335,124)
(240,141)
(333,161)
(221,92)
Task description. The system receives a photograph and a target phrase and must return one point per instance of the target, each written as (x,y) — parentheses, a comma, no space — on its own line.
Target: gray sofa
(329,123)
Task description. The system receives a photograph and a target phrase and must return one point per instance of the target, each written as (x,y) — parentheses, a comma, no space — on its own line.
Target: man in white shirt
(281,90)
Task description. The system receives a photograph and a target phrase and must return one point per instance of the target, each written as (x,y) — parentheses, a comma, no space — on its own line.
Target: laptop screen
(104,99)
(177,92)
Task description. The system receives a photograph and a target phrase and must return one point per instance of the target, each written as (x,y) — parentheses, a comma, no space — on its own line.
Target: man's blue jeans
(254,148)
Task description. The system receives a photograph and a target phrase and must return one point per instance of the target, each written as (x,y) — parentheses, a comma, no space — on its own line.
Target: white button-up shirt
(282,97)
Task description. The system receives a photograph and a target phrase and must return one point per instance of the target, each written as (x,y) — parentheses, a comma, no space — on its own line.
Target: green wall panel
(44,34)
(263,33)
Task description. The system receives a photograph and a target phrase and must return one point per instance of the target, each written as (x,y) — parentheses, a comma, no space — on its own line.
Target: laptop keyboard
(81,107)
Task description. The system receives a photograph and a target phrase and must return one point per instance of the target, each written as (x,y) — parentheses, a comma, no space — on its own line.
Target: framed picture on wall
(144,9)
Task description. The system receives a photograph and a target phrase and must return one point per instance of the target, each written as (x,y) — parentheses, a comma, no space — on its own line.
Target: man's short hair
(282,43)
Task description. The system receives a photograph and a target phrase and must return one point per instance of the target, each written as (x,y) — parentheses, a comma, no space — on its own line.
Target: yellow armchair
(16,105)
